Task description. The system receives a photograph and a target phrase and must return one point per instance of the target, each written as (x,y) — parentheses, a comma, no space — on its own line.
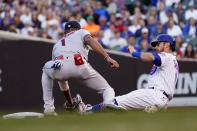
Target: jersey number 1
(63,42)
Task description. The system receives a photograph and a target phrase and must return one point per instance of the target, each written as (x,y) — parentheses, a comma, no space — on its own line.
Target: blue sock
(98,107)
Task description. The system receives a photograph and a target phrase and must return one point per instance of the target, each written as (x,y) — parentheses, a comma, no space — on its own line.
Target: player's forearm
(68,96)
(146,57)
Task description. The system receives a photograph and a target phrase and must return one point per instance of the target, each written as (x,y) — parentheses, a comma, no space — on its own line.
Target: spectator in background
(180,12)
(100,39)
(111,6)
(139,31)
(144,46)
(126,33)
(42,16)
(30,31)
(181,25)
(65,6)
(44,34)
(179,47)
(50,21)
(119,22)
(8,11)
(26,29)
(90,12)
(126,17)
(112,18)
(165,14)
(100,10)
(144,36)
(66,16)
(117,43)
(26,18)
(162,14)
(171,3)
(72,3)
(103,23)
(109,34)
(5,23)
(173,30)
(152,26)
(54,31)
(159,30)
(92,27)
(195,4)
(137,14)
(171,15)
(191,12)
(135,25)
(81,20)
(190,28)
(131,42)
(13,29)
(84,7)
(120,4)
(76,9)
(190,52)
(153,13)
(17,22)
(35,21)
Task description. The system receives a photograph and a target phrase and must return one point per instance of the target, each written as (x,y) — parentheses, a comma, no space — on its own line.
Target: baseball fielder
(69,61)
(161,82)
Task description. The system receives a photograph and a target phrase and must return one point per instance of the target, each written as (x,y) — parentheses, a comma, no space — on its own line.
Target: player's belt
(61,57)
(164,93)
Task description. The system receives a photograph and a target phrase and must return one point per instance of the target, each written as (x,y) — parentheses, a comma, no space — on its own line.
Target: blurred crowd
(114,23)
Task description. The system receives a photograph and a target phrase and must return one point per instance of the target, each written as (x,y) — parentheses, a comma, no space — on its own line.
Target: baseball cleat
(151,109)
(50,113)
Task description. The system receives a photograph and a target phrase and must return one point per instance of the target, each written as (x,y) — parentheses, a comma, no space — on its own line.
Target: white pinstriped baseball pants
(140,99)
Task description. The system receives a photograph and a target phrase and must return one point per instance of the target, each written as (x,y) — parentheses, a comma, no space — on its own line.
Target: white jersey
(164,77)
(72,43)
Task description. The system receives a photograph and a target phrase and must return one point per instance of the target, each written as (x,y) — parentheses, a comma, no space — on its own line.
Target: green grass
(174,119)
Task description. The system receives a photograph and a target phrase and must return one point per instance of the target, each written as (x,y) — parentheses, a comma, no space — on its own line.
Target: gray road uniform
(72,52)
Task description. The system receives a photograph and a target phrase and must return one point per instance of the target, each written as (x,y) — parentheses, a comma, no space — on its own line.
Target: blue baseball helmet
(164,38)
(72,24)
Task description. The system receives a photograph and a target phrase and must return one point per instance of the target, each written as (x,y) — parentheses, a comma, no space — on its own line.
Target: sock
(98,107)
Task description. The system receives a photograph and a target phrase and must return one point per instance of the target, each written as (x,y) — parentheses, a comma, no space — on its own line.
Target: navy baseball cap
(164,38)
(72,24)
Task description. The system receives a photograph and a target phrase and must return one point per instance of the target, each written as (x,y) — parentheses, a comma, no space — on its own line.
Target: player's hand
(114,64)
(74,105)
(131,49)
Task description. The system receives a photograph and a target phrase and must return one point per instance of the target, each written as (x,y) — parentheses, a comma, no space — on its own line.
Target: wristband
(106,57)
(136,54)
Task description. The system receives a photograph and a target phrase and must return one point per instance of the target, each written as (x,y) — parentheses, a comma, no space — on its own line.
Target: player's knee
(48,65)
(47,69)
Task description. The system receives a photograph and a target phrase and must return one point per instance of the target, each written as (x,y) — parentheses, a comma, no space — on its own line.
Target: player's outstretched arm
(144,56)
(96,46)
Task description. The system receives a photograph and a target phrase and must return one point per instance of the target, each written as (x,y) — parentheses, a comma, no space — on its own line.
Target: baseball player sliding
(69,61)
(161,82)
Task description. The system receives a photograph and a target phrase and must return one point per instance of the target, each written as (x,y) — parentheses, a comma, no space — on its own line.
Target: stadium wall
(21,62)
